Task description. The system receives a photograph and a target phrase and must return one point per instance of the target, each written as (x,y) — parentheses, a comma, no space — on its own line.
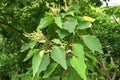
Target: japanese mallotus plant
(62,46)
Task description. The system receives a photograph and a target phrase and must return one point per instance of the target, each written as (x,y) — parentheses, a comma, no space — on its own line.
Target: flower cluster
(36,35)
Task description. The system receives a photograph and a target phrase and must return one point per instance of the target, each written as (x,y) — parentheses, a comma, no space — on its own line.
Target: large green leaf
(36,61)
(92,43)
(77,61)
(77,50)
(70,25)
(45,62)
(50,69)
(79,65)
(29,45)
(58,21)
(59,55)
(31,53)
(44,22)
(84,25)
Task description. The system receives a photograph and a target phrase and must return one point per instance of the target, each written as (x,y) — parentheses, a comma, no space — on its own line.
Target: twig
(114,76)
(115,20)
(104,67)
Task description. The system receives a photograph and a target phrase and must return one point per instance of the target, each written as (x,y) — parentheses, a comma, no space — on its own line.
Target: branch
(114,76)
(115,20)
(104,67)
(4,22)
(112,14)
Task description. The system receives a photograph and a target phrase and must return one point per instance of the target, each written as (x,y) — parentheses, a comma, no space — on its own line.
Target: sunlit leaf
(87,18)
(36,61)
(92,43)
(77,50)
(79,65)
(77,61)
(29,45)
(31,53)
(58,21)
(59,55)
(70,25)
(70,13)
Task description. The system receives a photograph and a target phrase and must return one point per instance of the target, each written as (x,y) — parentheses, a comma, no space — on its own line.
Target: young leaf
(50,69)
(57,41)
(87,18)
(70,13)
(59,55)
(31,53)
(79,65)
(93,43)
(70,25)
(77,61)
(44,22)
(29,45)
(45,62)
(36,61)
(58,21)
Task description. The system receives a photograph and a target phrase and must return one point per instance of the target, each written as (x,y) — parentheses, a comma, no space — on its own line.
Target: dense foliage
(59,40)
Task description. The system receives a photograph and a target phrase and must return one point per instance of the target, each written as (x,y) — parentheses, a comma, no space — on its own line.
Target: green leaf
(77,50)
(65,78)
(79,65)
(93,43)
(44,22)
(77,61)
(36,61)
(62,33)
(73,75)
(75,7)
(58,21)
(70,25)
(31,53)
(84,25)
(91,56)
(45,62)
(57,41)
(70,13)
(87,18)
(29,45)
(59,55)
(50,69)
